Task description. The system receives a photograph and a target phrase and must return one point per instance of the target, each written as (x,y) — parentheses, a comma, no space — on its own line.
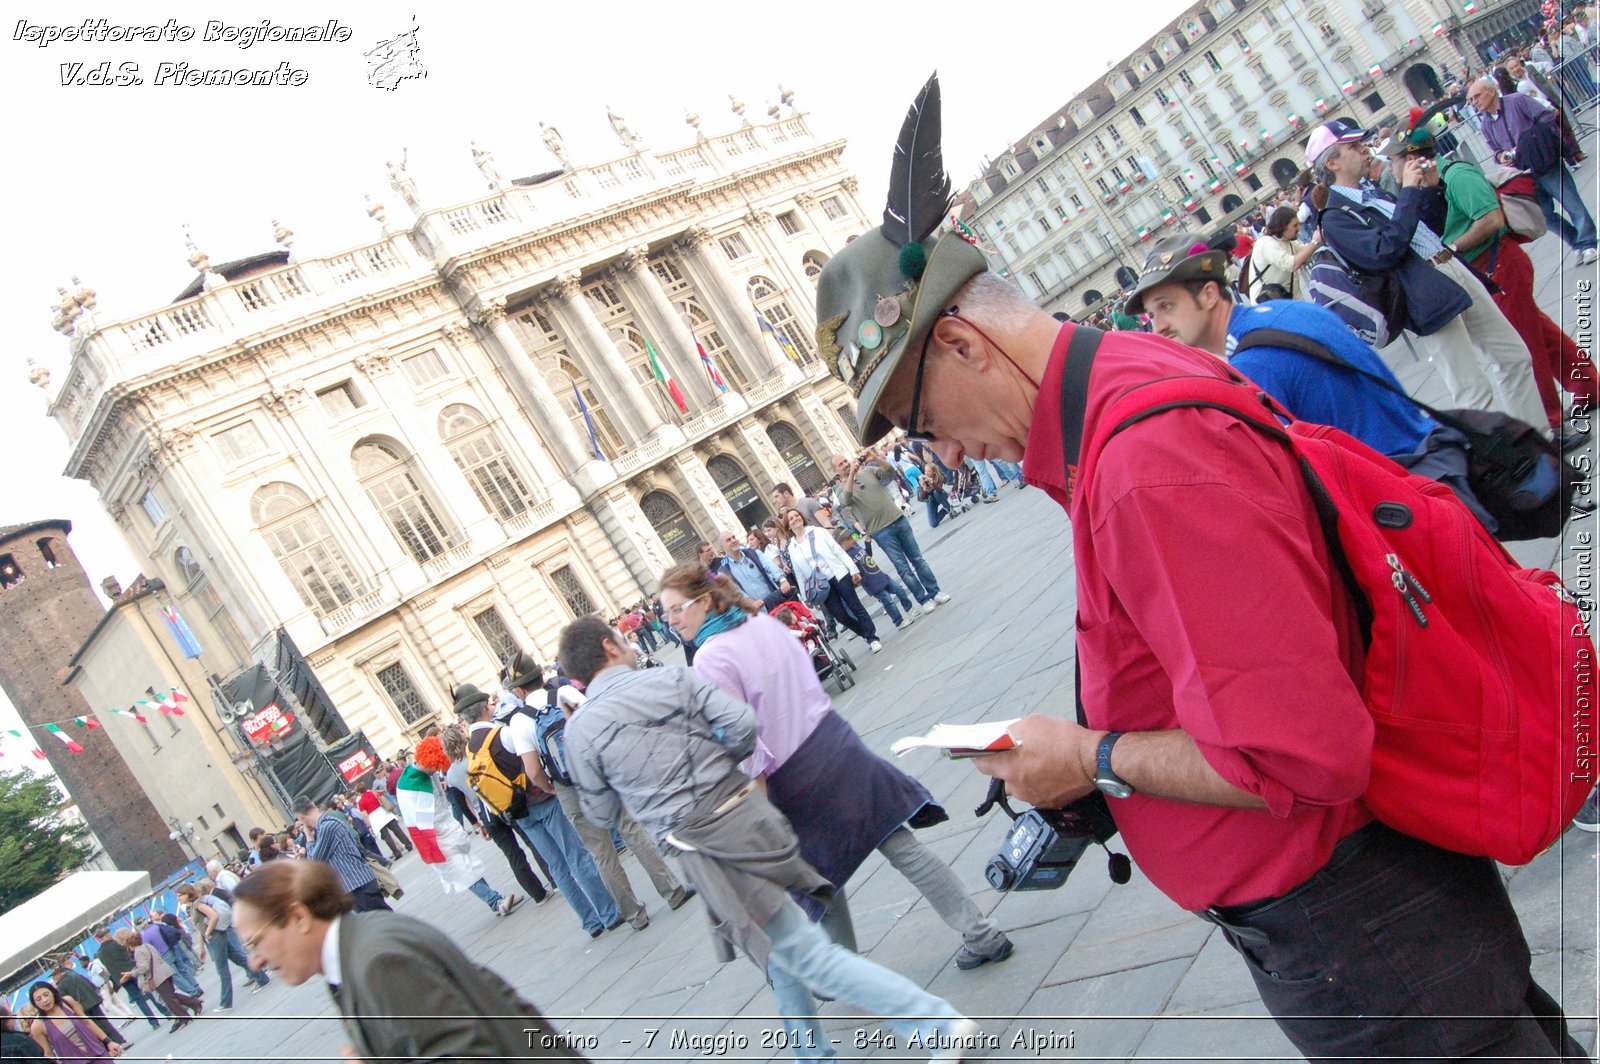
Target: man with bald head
(755,575)
(1505,121)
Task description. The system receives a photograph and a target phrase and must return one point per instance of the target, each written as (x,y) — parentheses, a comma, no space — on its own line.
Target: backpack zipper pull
(1406,584)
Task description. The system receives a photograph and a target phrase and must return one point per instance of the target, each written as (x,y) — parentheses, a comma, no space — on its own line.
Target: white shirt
(569,697)
(227,881)
(522,734)
(330,954)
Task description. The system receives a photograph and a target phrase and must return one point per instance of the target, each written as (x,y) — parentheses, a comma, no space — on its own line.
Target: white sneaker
(875,646)
(906,621)
(961,1042)
(941,598)
(507,903)
(1587,256)
(931,605)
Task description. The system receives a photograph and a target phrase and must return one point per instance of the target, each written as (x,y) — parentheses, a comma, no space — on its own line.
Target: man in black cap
(1216,648)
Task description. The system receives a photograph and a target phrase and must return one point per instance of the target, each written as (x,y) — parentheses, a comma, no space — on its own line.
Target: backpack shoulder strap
(1320,351)
(1081,348)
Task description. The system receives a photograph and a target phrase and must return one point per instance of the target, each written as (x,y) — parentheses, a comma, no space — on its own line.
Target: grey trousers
(597,841)
(935,882)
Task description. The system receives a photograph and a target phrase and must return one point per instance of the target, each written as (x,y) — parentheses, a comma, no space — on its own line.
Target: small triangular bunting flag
(72,744)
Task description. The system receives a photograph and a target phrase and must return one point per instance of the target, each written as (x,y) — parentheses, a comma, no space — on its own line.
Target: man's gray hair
(997,301)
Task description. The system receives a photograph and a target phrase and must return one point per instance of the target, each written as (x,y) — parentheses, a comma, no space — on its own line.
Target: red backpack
(1479,674)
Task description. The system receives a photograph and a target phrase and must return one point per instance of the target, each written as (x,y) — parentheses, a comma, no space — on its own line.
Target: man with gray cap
(1216,647)
(1483,362)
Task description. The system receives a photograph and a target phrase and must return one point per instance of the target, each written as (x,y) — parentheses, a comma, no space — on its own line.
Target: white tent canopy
(76,904)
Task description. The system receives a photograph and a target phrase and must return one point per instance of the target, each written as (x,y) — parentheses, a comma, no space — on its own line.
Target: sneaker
(967,960)
(641,923)
(596,932)
(613,925)
(905,622)
(507,903)
(961,1042)
(931,605)
(682,898)
(941,598)
(875,645)
(1587,256)
(219,1008)
(1588,818)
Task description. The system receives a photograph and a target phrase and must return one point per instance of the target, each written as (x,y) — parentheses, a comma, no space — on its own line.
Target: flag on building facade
(588,423)
(1144,232)
(414,795)
(661,375)
(1168,216)
(777,335)
(1374,70)
(72,744)
(187,643)
(711,368)
(1348,85)
(1320,104)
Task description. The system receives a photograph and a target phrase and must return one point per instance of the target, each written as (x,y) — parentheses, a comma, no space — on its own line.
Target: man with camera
(864,487)
(1216,648)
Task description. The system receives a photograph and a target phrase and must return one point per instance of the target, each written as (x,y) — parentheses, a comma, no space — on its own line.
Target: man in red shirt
(1216,649)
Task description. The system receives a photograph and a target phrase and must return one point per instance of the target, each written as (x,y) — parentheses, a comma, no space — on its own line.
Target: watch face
(1113,788)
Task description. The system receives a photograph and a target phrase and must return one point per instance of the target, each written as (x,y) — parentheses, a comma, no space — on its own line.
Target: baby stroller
(831,662)
(963,491)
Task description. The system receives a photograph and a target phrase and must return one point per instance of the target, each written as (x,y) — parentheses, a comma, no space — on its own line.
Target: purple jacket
(1517,112)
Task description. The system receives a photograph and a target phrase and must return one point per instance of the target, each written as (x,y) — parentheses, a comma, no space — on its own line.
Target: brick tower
(47,611)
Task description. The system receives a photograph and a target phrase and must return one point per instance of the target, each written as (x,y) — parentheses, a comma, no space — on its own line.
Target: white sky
(102,179)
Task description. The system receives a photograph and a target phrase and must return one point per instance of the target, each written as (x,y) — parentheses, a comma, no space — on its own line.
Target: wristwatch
(1110,784)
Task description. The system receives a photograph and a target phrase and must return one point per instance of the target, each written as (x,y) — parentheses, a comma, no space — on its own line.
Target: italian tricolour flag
(414,793)
(672,385)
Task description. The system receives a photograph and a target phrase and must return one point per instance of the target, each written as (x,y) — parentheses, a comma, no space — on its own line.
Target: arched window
(481,459)
(567,382)
(199,591)
(47,551)
(770,302)
(808,476)
(666,516)
(10,571)
(630,344)
(698,322)
(735,485)
(812,263)
(300,540)
(396,490)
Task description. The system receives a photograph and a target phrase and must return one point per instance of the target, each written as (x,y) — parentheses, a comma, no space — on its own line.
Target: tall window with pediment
(483,461)
(709,337)
(568,382)
(299,538)
(396,490)
(771,302)
(197,588)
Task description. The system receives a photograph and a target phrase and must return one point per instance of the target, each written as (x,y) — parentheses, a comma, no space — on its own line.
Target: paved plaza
(1100,972)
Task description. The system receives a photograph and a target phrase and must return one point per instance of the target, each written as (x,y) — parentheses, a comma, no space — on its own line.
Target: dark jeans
(179,1004)
(1563,208)
(1400,950)
(395,837)
(143,1001)
(900,544)
(846,607)
(504,836)
(647,638)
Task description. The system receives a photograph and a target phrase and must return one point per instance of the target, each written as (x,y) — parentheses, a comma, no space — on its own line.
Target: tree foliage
(37,843)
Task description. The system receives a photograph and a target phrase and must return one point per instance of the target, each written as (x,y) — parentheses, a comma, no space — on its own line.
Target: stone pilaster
(630,534)
(532,391)
(673,340)
(599,356)
(692,474)
(732,309)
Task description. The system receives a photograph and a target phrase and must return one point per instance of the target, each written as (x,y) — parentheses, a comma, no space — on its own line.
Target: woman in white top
(825,576)
(1277,259)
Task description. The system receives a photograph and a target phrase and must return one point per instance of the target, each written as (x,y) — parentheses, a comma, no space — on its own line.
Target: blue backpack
(550,731)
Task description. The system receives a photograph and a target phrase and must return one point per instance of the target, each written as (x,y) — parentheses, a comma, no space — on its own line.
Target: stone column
(702,490)
(770,465)
(590,345)
(758,356)
(531,390)
(636,543)
(674,342)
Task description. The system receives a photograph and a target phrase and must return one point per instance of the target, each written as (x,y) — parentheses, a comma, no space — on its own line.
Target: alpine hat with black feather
(879,296)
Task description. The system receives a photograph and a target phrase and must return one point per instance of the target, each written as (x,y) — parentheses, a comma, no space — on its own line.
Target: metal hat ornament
(879,296)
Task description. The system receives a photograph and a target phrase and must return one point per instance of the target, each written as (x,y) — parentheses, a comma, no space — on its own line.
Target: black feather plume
(919,188)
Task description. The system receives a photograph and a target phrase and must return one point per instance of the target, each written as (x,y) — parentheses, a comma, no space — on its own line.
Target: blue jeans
(225,946)
(1557,189)
(490,896)
(900,544)
(574,871)
(887,596)
(1005,470)
(984,479)
(184,966)
(938,510)
(144,1001)
(803,960)
(647,638)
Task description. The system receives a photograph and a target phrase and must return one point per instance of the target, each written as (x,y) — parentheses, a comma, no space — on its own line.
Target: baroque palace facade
(1208,116)
(425,452)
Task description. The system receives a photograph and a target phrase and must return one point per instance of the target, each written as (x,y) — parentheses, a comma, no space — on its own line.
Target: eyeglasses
(913,434)
(678,610)
(251,943)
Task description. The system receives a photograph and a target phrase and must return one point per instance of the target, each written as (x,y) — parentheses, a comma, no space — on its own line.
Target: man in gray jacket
(665,746)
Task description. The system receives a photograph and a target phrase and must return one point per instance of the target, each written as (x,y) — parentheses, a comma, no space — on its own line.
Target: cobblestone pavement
(1100,972)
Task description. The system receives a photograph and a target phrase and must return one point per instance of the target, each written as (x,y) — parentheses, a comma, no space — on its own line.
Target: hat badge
(1166,257)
